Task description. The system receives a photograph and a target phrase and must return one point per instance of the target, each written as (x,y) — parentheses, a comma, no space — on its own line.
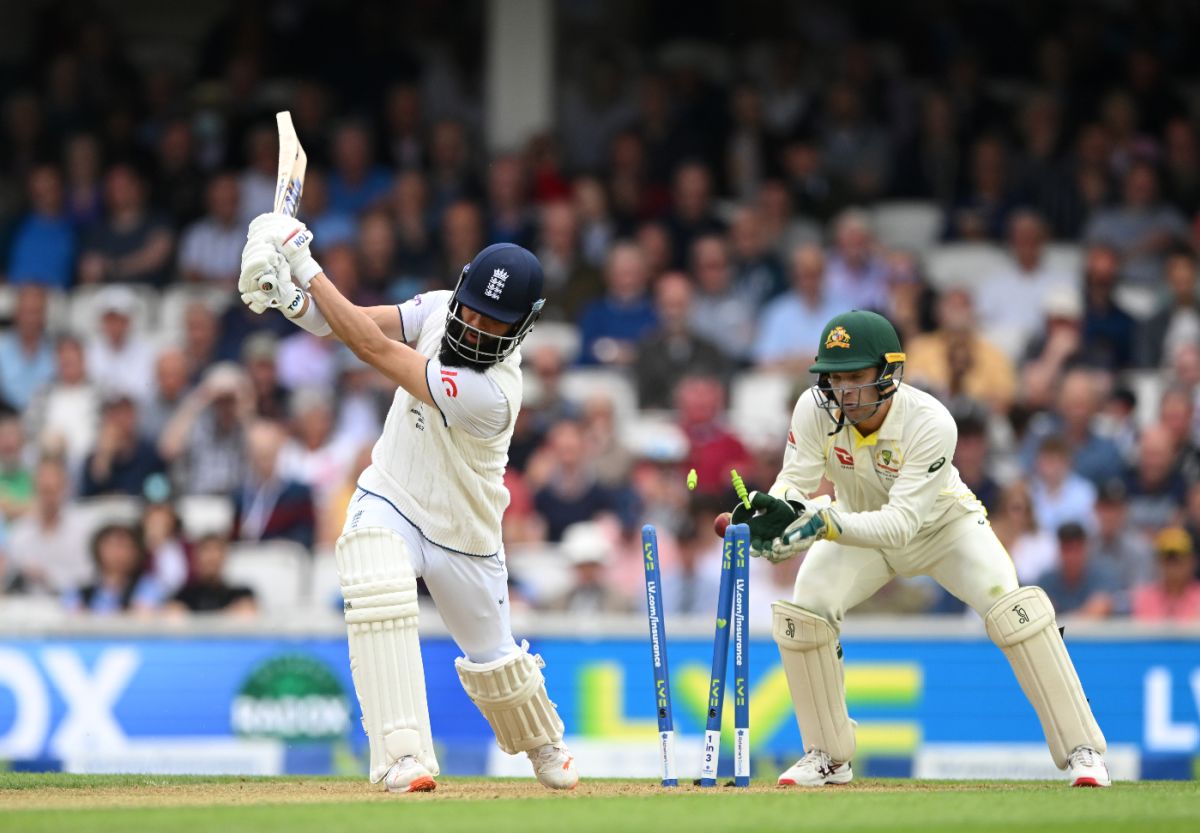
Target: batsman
(431,501)
(899,509)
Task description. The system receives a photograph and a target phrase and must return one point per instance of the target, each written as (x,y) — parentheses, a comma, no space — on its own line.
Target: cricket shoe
(408,775)
(554,766)
(1087,768)
(816,769)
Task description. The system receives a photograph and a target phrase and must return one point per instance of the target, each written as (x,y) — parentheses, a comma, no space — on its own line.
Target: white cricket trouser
(471,593)
(965,557)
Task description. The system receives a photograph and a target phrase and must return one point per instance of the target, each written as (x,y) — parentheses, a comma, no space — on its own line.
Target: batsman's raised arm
(279,272)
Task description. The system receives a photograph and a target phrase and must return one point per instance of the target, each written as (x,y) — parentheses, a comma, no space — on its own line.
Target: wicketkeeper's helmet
(857,340)
(503,282)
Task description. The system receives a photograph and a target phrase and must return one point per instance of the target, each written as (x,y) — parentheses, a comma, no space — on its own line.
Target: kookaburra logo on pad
(496,284)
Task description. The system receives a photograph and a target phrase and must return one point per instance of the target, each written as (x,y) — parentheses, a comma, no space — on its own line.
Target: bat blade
(289,182)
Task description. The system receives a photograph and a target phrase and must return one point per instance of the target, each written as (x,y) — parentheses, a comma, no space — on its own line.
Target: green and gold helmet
(857,340)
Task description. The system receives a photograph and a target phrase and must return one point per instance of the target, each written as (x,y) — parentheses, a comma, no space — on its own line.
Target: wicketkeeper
(900,509)
(430,503)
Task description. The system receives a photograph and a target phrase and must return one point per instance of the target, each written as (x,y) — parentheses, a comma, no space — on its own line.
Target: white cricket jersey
(894,487)
(443,467)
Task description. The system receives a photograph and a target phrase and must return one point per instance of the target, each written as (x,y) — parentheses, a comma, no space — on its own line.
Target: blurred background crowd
(1016,186)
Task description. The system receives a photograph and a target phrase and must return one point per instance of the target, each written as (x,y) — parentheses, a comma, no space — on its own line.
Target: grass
(84,804)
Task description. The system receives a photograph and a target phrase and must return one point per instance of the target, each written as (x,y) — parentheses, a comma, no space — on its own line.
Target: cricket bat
(289,182)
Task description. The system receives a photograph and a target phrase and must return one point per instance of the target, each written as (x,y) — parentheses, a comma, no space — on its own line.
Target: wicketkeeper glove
(767,518)
(292,238)
(818,522)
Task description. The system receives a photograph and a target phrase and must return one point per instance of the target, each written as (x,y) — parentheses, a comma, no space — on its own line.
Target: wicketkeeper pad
(808,647)
(511,693)
(380,592)
(1022,624)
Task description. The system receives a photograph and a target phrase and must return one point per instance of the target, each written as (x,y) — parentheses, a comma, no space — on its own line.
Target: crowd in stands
(697,228)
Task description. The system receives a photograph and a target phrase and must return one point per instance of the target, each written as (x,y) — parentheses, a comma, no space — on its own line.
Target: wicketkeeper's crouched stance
(901,510)
(430,503)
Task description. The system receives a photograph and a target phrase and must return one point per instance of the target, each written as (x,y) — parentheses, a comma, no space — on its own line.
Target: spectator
(509,218)
(1182,166)
(380,281)
(48,546)
(692,215)
(1109,332)
(121,460)
(674,349)
(971,457)
(856,275)
(1122,550)
(1177,322)
(612,326)
(1156,487)
(571,282)
(42,249)
(596,228)
(1029,277)
(1060,496)
(755,267)
(168,553)
(461,237)
(178,182)
(452,176)
(204,443)
(929,164)
(211,249)
(586,549)
(1142,229)
(357,182)
(201,332)
(171,386)
(789,323)
(119,359)
(67,411)
(259,353)
(256,182)
(855,150)
(1049,354)
(84,194)
(122,584)
(719,308)
(749,146)
(131,244)
(958,361)
(315,456)
(330,227)
(16,476)
(982,212)
(269,505)
(415,258)
(207,591)
(1176,413)
(566,489)
(26,352)
(1079,587)
(1175,594)
(1074,419)
(712,449)
(1034,550)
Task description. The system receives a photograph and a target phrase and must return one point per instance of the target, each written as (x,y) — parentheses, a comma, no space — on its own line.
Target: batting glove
(292,238)
(262,266)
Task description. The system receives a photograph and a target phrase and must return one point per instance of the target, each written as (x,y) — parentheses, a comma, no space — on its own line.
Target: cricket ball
(722,523)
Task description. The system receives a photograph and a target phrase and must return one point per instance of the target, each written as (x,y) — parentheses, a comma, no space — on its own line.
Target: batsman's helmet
(503,282)
(857,340)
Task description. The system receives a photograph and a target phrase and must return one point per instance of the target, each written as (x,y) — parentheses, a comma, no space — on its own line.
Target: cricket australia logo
(838,337)
(496,284)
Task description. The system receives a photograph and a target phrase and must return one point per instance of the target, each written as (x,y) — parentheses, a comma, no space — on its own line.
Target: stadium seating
(907,224)
(277,572)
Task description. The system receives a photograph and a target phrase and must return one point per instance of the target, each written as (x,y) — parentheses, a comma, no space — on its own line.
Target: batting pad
(380,593)
(808,647)
(1022,624)
(511,693)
